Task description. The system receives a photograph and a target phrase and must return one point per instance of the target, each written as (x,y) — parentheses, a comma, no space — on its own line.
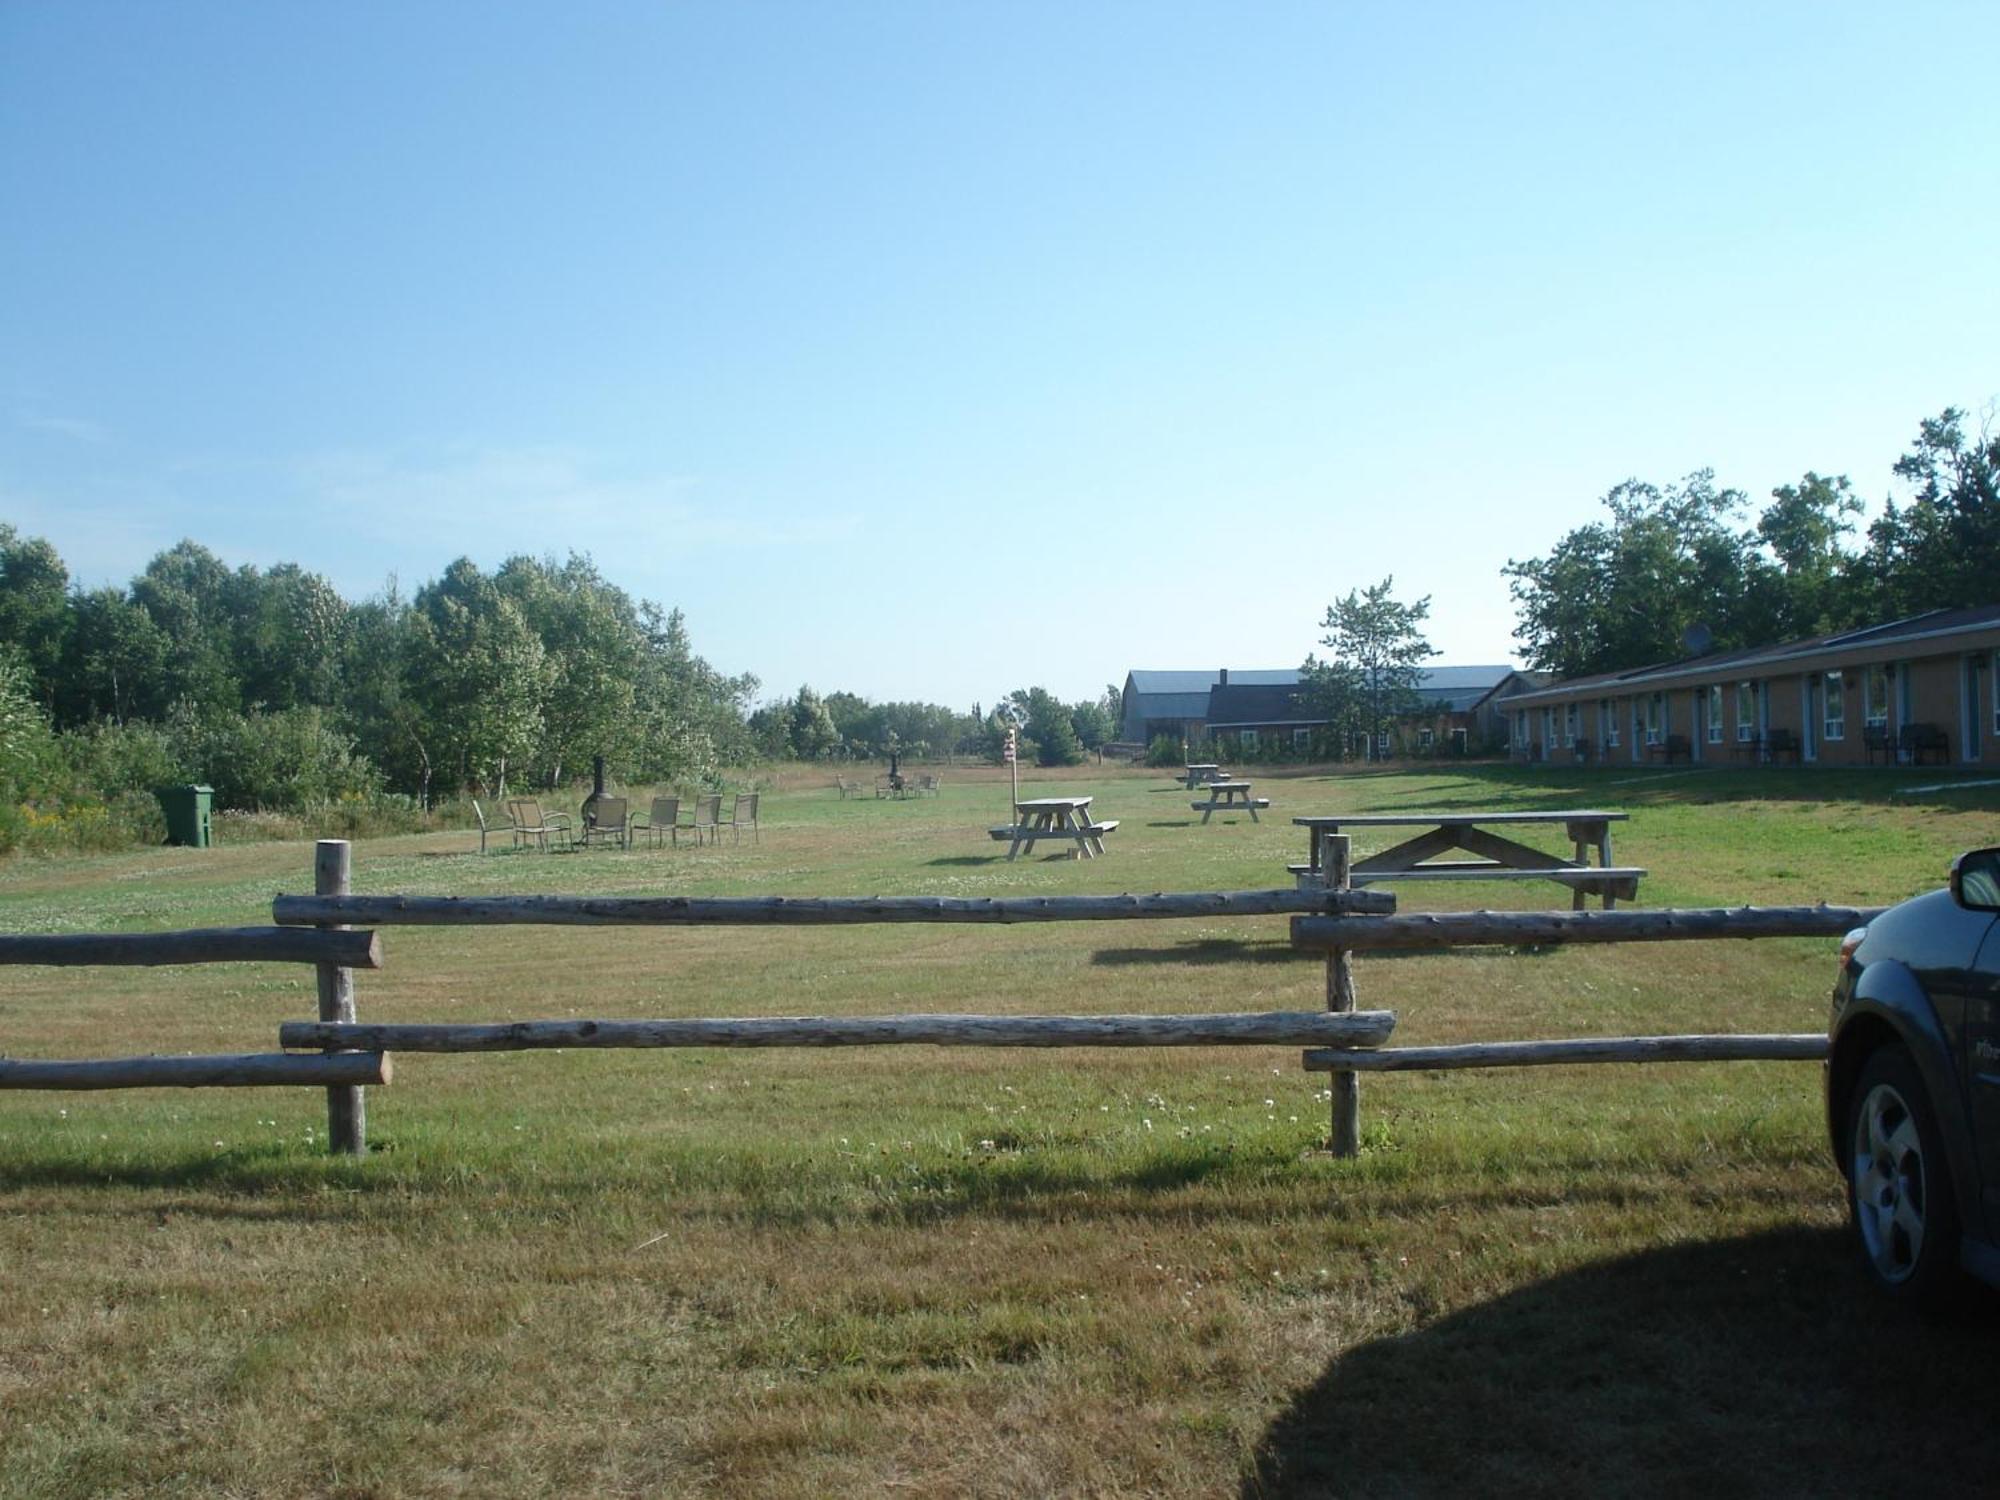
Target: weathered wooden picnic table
(1230,796)
(1054,818)
(1200,772)
(1501,858)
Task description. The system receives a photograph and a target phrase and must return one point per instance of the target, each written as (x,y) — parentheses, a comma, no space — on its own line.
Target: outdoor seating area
(1675,747)
(1227,797)
(612,824)
(1500,857)
(1064,819)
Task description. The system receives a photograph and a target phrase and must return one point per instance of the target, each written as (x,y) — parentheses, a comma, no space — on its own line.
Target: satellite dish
(1697,638)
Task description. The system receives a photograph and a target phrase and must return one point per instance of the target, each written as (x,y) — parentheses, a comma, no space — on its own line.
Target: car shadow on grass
(1759,1366)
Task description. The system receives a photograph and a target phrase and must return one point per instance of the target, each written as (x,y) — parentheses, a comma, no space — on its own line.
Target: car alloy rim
(1889,1183)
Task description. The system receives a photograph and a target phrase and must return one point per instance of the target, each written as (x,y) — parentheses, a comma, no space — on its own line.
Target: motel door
(1809,691)
(1970,721)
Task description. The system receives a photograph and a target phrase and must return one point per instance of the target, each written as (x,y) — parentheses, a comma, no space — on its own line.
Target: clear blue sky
(931,350)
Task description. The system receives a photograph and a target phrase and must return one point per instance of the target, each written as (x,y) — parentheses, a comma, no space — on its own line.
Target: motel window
(1569,725)
(1609,719)
(1835,727)
(1520,729)
(1424,740)
(1246,739)
(1746,711)
(1302,739)
(1715,713)
(1655,714)
(1875,698)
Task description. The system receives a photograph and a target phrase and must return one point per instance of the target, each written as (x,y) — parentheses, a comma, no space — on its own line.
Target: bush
(291,761)
(1165,750)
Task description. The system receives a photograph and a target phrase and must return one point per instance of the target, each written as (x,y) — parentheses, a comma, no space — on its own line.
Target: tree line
(1673,570)
(282,695)
(843,726)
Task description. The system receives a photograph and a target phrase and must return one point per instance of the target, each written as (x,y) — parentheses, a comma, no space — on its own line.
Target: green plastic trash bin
(187,810)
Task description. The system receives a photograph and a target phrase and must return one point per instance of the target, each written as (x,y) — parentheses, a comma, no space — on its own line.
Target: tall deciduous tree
(1378,651)
(1625,592)
(1941,549)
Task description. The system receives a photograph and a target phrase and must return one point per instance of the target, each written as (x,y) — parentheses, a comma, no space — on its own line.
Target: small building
(1920,690)
(1259,708)
(1176,703)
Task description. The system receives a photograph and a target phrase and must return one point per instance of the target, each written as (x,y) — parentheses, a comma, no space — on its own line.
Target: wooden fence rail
(1368,1028)
(1341,936)
(1808,1046)
(1545,928)
(215,945)
(244,1070)
(809,911)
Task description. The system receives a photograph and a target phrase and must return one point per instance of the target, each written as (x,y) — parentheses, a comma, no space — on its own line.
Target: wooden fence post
(346,1112)
(1336,853)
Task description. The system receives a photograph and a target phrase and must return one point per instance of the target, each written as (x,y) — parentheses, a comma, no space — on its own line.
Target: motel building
(1919,691)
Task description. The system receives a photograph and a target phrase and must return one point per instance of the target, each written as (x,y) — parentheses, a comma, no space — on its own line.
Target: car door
(1979,1054)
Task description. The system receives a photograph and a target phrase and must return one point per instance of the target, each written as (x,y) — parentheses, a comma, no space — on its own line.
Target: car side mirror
(1975,880)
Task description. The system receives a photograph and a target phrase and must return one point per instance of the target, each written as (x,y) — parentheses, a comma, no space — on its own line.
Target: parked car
(1913,1084)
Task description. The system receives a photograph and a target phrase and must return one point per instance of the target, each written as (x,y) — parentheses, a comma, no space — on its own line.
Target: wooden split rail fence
(317,929)
(1342,936)
(346,1054)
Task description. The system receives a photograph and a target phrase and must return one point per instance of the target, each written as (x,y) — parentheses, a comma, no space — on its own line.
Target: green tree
(478,674)
(1799,591)
(114,664)
(187,593)
(34,609)
(592,648)
(814,735)
(1941,549)
(1625,592)
(1091,724)
(1378,655)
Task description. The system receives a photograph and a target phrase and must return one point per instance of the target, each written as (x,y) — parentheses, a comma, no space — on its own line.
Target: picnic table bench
(1065,818)
(1199,773)
(1229,796)
(1500,857)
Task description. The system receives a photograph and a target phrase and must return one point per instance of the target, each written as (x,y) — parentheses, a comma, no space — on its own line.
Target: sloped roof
(1456,689)
(1937,622)
(1255,703)
(1200,682)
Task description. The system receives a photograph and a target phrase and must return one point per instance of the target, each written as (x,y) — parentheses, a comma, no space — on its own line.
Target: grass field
(914,1271)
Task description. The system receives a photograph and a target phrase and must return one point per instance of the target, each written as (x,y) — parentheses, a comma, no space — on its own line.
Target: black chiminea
(895,765)
(596,791)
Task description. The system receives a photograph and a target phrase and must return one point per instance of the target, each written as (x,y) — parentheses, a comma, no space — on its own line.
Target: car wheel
(1899,1193)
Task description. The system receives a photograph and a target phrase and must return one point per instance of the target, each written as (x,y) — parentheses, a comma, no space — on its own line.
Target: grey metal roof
(1149,682)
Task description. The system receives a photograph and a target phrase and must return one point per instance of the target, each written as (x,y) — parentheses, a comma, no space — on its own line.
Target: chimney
(1225,678)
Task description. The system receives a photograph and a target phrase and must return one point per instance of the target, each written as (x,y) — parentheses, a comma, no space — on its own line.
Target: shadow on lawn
(1759,1366)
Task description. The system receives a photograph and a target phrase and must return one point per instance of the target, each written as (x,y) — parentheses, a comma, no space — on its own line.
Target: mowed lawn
(976,1272)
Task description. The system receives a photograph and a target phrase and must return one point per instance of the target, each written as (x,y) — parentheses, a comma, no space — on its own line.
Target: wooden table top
(1454,820)
(1228,786)
(1051,804)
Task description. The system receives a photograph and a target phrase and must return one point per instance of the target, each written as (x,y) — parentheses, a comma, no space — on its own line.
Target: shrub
(1165,750)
